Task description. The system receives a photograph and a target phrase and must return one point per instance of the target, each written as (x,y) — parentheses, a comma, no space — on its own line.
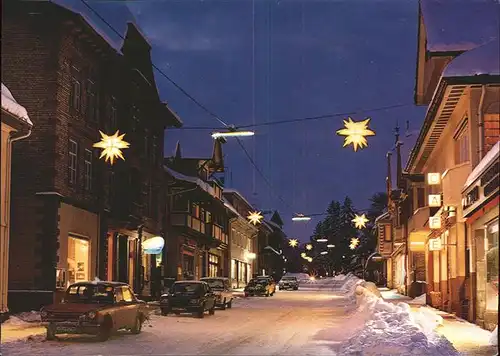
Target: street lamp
(330,245)
(322,240)
(373,257)
(293,242)
(301,217)
(217,135)
(324,252)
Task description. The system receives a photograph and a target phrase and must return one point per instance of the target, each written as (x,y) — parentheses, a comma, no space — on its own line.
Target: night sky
(255,62)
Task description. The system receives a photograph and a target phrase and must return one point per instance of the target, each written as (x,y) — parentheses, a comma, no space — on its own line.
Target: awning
(490,158)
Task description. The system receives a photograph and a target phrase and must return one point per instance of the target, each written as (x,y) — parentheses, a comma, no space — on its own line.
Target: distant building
(16,125)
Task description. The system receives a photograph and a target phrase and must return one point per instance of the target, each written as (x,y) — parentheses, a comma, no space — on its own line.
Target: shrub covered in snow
(392,329)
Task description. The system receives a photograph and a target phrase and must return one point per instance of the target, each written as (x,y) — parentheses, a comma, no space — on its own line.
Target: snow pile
(11,105)
(24,319)
(391,329)
(494,337)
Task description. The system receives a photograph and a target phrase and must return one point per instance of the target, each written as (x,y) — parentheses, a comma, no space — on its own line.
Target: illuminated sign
(435,244)
(434,200)
(433,178)
(435,222)
(153,246)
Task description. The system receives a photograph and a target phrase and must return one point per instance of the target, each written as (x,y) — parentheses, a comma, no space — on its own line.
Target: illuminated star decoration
(360,221)
(111,146)
(293,242)
(303,255)
(309,247)
(354,243)
(309,259)
(255,217)
(355,133)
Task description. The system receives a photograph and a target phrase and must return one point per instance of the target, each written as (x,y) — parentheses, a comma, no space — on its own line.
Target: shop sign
(433,178)
(435,222)
(470,198)
(435,244)
(153,246)
(434,200)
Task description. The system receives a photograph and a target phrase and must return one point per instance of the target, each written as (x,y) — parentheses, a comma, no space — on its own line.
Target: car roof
(100,283)
(221,278)
(190,282)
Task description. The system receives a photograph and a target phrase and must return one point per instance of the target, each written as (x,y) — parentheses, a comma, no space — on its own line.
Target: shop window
(462,144)
(213,265)
(491,246)
(78,259)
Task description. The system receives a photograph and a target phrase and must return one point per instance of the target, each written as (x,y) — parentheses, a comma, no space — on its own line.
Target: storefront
(481,209)
(241,273)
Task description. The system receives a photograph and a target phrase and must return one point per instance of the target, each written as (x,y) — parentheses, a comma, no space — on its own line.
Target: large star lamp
(255,217)
(354,243)
(309,247)
(360,221)
(293,242)
(111,146)
(355,133)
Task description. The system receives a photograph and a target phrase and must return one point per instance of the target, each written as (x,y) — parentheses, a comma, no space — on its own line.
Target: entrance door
(122,259)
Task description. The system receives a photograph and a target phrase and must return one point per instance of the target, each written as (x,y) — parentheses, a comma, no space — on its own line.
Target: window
(195,210)
(208,217)
(92,105)
(420,197)
(387,233)
(118,295)
(154,149)
(88,170)
(462,144)
(213,265)
(75,90)
(73,160)
(78,259)
(113,113)
(127,294)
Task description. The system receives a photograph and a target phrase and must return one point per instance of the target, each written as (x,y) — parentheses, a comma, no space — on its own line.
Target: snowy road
(310,321)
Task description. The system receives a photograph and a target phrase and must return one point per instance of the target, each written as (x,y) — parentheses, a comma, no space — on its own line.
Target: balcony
(188,221)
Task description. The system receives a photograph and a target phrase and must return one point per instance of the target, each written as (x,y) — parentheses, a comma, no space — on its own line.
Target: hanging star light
(293,242)
(352,246)
(255,217)
(354,242)
(111,146)
(355,133)
(309,247)
(309,259)
(360,221)
(303,255)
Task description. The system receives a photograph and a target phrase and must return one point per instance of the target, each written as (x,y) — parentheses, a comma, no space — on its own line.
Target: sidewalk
(469,339)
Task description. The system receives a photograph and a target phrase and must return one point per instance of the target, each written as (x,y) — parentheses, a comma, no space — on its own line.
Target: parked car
(260,286)
(222,290)
(289,283)
(96,308)
(194,297)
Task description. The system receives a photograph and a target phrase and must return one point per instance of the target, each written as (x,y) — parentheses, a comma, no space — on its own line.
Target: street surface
(310,321)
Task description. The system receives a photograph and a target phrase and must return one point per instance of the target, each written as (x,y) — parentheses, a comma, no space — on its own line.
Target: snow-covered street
(292,323)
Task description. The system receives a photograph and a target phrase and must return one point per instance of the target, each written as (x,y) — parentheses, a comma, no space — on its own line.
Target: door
(123,259)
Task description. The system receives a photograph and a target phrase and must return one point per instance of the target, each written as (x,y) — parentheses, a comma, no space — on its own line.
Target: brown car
(96,308)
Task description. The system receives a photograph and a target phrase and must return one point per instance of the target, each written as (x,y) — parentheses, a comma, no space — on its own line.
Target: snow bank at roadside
(24,319)
(392,329)
(494,337)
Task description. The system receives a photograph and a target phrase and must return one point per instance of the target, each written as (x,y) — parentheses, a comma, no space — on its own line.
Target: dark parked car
(288,282)
(97,308)
(260,286)
(222,290)
(188,296)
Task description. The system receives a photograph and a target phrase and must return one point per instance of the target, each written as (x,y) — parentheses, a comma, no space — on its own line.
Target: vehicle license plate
(67,328)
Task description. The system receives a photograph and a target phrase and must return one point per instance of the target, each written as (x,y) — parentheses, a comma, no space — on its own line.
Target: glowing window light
(355,133)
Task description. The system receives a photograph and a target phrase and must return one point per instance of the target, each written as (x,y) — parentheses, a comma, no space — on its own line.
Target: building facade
(243,240)
(16,125)
(460,85)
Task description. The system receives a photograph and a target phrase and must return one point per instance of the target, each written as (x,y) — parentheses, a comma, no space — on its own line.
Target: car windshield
(289,279)
(215,283)
(262,281)
(89,293)
(186,288)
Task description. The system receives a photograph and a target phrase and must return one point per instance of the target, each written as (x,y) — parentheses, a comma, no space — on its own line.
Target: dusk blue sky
(266,60)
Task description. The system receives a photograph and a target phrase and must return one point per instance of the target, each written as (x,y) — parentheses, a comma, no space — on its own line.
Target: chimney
(177,154)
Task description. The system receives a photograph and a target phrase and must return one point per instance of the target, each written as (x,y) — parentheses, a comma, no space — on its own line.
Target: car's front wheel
(165,311)
(201,312)
(105,329)
(230,304)
(211,311)
(51,332)
(223,305)
(137,326)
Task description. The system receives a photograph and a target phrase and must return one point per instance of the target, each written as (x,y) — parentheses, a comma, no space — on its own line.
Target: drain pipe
(480,115)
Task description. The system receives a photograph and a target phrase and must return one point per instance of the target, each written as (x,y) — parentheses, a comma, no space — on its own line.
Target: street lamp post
(366,263)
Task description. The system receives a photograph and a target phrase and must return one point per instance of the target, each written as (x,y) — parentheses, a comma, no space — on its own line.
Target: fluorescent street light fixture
(216,135)
(330,246)
(301,217)
(322,240)
(324,252)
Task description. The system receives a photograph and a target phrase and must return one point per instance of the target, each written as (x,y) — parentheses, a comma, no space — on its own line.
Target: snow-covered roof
(228,205)
(459,25)
(383,216)
(491,157)
(10,105)
(179,176)
(272,223)
(234,191)
(481,60)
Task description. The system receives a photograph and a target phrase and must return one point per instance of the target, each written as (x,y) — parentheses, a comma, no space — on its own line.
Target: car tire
(230,304)
(51,332)
(136,329)
(165,311)
(105,329)
(267,294)
(211,311)
(223,306)
(201,312)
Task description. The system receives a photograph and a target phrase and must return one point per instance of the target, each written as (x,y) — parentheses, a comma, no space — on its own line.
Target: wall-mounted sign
(433,178)
(435,222)
(435,244)
(470,198)
(434,200)
(153,246)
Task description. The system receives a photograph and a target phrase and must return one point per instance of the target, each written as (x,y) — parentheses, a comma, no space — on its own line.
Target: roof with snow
(234,191)
(459,25)
(478,61)
(10,105)
(490,158)
(200,183)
